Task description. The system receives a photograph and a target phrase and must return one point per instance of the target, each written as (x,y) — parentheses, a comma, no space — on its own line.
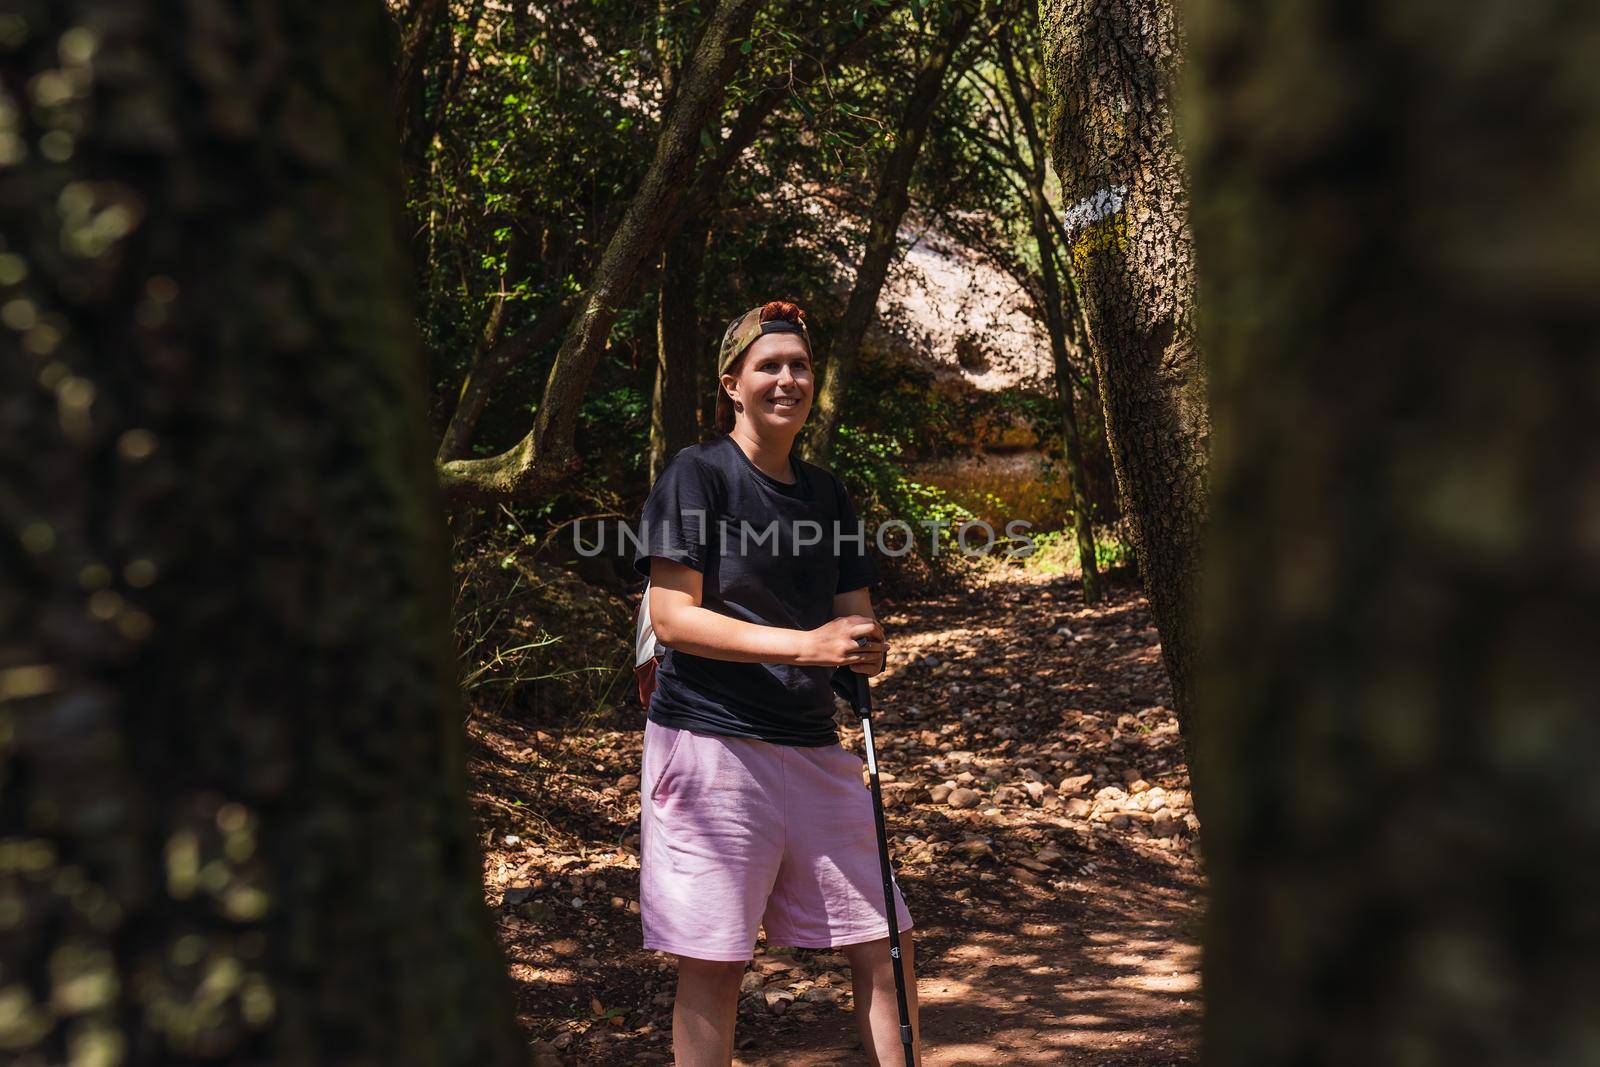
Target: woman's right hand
(836,643)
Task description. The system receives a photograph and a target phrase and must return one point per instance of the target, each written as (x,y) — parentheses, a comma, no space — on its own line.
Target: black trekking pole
(859,693)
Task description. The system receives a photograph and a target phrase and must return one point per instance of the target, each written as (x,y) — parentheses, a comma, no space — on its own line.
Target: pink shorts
(736,833)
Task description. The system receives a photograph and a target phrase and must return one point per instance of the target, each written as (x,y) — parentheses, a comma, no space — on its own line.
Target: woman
(753,813)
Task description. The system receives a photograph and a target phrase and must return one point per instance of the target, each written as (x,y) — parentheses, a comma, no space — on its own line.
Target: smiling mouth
(785,401)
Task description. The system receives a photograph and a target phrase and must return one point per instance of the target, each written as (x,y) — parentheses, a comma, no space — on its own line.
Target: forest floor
(1041,828)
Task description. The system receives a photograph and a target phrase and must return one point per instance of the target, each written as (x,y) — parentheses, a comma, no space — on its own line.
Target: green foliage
(618,421)
(871,466)
(1056,552)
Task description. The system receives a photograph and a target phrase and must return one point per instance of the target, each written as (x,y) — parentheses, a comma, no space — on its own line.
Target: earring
(738,406)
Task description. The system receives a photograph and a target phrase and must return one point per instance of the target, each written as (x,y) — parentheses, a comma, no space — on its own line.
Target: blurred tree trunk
(888,208)
(1110,68)
(1403,603)
(545,456)
(1057,323)
(235,812)
(675,398)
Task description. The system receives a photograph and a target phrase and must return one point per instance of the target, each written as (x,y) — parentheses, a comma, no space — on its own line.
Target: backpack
(647,651)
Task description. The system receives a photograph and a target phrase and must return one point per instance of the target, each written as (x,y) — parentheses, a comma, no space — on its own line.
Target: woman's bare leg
(877,1011)
(703,1012)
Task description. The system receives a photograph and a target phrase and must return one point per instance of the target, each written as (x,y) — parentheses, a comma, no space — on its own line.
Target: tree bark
(1111,67)
(889,205)
(546,456)
(235,812)
(676,395)
(1403,598)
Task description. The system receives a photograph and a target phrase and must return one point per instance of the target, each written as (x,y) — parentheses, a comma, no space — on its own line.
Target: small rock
(1077,807)
(938,794)
(519,894)
(962,798)
(972,848)
(897,794)
(1019,874)
(629,782)
(1162,827)
(821,994)
(1119,821)
(1138,785)
(1036,791)
(1077,783)
(753,982)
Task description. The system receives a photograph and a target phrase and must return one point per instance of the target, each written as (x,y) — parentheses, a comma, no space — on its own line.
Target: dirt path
(1056,914)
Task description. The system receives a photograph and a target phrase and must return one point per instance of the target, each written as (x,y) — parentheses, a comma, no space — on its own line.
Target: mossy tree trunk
(1110,67)
(890,200)
(235,812)
(1403,601)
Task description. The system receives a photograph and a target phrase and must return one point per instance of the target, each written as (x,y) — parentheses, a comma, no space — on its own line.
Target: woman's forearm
(702,632)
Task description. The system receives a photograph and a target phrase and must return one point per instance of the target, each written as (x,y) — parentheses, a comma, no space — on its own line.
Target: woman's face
(774,382)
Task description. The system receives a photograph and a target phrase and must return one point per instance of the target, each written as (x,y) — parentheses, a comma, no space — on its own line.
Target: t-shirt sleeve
(677,517)
(856,568)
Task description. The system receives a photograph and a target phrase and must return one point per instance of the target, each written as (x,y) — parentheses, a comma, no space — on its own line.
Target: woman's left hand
(875,665)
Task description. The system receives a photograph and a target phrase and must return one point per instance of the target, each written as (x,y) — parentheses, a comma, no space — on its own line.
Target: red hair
(786,310)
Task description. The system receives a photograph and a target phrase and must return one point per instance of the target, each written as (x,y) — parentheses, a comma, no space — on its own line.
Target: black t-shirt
(769,555)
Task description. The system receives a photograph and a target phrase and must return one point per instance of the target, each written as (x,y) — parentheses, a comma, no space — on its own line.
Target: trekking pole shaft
(906,1037)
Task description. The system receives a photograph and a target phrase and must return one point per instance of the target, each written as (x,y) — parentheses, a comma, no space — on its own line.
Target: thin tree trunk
(678,350)
(235,800)
(491,362)
(418,29)
(888,208)
(1056,324)
(1111,69)
(545,456)
(1403,603)
(1082,517)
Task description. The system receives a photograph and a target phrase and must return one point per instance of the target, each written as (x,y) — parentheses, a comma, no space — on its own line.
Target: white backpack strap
(645,645)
